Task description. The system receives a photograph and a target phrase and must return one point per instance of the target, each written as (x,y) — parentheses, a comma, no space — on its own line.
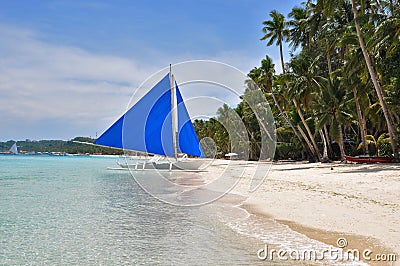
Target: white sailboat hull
(180,165)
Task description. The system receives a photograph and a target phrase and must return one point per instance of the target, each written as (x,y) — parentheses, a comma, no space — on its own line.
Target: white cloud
(41,81)
(23,54)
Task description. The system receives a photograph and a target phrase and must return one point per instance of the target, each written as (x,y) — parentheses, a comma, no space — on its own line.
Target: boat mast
(173,111)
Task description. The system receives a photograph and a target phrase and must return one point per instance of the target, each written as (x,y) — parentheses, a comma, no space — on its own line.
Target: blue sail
(187,139)
(146,126)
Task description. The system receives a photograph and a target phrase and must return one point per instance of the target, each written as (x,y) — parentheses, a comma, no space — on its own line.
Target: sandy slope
(356,199)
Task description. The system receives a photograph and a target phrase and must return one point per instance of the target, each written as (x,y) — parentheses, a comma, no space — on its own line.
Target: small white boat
(158,124)
(163,163)
(14,149)
(232,156)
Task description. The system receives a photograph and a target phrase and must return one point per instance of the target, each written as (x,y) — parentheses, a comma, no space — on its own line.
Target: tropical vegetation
(338,93)
(59,146)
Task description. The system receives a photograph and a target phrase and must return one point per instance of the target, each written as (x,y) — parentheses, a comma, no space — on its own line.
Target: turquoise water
(72,210)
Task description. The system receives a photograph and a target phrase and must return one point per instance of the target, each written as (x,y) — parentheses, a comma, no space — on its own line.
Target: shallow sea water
(73,211)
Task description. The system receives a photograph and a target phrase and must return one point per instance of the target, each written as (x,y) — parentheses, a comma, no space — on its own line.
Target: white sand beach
(327,201)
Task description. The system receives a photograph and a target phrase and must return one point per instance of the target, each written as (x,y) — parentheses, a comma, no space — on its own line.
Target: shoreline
(358,242)
(359,202)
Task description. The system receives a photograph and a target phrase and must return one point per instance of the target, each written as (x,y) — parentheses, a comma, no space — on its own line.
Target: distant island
(59,146)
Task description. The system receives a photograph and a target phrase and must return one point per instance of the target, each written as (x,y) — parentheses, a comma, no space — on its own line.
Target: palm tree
(276,31)
(332,109)
(283,82)
(369,140)
(376,82)
(237,131)
(300,32)
(360,89)
(263,77)
(300,86)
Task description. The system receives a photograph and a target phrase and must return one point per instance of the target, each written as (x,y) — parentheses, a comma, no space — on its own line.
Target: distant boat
(158,124)
(231,156)
(14,149)
(369,159)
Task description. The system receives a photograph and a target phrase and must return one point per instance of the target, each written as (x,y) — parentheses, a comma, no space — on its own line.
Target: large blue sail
(146,126)
(187,138)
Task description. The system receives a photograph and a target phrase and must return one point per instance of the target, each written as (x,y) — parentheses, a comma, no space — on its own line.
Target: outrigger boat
(369,159)
(157,124)
(160,163)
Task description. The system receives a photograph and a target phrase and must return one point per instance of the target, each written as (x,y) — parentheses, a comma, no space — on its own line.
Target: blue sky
(68,67)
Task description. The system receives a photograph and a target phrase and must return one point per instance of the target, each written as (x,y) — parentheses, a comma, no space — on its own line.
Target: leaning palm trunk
(364,122)
(375,81)
(341,143)
(361,122)
(285,116)
(325,157)
(282,61)
(310,146)
(328,139)
(303,136)
(308,130)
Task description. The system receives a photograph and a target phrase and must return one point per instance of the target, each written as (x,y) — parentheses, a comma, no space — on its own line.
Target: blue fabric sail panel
(112,137)
(158,128)
(187,138)
(146,126)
